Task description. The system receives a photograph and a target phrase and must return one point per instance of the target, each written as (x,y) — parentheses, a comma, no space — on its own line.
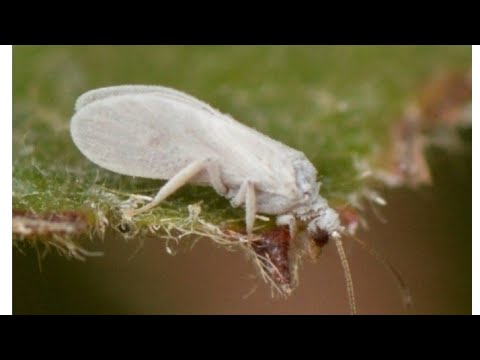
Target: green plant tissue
(334,103)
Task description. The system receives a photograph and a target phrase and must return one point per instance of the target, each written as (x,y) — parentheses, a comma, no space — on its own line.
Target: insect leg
(176,182)
(246,194)
(288,219)
(250,207)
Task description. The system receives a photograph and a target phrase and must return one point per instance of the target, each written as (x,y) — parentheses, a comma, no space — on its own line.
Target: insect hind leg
(175,183)
(246,195)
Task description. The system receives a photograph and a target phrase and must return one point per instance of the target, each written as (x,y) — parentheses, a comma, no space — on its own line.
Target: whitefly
(161,133)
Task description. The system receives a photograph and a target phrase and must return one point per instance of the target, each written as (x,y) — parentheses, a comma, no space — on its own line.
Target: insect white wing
(106,92)
(154,132)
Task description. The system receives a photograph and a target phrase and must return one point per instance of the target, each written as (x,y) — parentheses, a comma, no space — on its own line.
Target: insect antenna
(347,273)
(402,286)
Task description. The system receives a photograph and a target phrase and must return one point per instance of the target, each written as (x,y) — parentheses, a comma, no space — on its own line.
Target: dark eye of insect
(321,237)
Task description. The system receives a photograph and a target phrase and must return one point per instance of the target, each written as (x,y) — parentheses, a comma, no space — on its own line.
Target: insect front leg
(288,219)
(246,195)
(176,182)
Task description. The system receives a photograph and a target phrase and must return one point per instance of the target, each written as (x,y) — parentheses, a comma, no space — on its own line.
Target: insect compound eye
(320,237)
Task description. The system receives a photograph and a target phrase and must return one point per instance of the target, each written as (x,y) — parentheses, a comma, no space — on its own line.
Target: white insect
(161,133)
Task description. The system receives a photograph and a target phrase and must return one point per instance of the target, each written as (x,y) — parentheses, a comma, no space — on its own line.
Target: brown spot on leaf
(350,218)
(444,97)
(441,104)
(408,162)
(274,245)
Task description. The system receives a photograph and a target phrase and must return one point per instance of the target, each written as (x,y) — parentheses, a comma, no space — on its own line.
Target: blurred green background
(333,103)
